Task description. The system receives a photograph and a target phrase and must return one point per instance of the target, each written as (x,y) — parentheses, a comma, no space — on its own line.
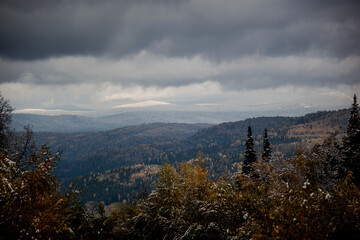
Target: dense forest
(311,194)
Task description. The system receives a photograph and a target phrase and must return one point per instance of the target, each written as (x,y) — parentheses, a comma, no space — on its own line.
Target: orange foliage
(31,204)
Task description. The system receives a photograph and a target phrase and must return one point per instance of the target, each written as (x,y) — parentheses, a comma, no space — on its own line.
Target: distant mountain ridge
(159,142)
(61,123)
(90,123)
(79,123)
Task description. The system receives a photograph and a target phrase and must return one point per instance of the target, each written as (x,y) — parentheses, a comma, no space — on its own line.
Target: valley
(144,148)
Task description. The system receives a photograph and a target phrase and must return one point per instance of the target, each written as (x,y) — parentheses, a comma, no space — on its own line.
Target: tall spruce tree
(351,142)
(250,154)
(266,152)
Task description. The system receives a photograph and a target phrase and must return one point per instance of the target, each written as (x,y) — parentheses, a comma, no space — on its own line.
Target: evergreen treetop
(266,152)
(250,154)
(354,120)
(351,142)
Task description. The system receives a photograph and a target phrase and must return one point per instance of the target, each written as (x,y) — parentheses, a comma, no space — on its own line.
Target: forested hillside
(312,194)
(98,151)
(156,143)
(86,154)
(285,133)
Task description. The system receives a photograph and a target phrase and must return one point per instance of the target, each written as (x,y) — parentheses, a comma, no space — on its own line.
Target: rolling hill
(114,157)
(98,151)
(155,143)
(88,123)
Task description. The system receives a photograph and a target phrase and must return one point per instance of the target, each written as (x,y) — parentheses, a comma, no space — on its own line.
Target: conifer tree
(250,154)
(266,152)
(351,142)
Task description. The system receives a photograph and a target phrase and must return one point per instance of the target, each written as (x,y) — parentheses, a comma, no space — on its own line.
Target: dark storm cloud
(214,29)
(43,29)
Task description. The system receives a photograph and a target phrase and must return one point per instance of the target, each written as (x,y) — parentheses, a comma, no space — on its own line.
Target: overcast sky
(189,54)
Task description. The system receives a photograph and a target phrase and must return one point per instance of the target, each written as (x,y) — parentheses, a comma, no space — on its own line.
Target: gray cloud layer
(218,53)
(217,30)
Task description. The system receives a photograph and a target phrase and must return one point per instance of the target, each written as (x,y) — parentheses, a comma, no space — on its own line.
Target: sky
(228,55)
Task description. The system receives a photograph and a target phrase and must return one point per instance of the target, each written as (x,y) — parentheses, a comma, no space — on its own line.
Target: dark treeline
(312,195)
